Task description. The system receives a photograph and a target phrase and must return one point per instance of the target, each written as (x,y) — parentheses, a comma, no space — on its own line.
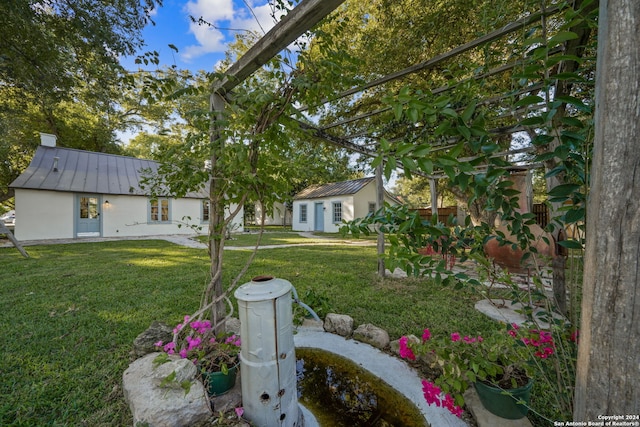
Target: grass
(71,312)
(270,238)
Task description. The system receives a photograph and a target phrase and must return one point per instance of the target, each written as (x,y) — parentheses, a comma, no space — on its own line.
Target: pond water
(340,393)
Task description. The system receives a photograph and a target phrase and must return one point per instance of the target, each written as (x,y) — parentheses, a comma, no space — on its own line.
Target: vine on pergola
(439,132)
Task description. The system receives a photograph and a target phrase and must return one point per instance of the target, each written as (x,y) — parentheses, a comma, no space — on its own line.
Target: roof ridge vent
(47,139)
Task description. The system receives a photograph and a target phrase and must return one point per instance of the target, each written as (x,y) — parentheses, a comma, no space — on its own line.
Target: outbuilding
(324,207)
(68,193)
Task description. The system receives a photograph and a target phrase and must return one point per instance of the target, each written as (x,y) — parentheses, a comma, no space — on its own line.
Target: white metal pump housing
(267,357)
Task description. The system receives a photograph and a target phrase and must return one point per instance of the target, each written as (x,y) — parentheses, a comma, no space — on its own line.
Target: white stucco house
(280,215)
(324,207)
(68,193)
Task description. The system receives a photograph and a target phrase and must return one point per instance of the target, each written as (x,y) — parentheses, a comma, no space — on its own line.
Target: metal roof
(333,189)
(82,171)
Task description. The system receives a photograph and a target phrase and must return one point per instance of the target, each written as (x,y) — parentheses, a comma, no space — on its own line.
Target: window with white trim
(337,212)
(205,211)
(303,213)
(159,210)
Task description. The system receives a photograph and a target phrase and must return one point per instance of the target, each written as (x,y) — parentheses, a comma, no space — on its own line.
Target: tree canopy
(60,74)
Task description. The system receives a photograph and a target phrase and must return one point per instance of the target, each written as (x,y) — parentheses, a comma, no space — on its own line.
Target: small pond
(340,393)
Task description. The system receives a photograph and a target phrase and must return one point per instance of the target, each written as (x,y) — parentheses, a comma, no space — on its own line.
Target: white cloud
(223,15)
(245,19)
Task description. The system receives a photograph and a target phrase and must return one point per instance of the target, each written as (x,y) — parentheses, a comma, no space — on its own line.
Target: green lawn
(270,238)
(71,313)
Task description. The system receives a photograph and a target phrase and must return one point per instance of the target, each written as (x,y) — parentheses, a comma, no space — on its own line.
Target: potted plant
(217,357)
(500,366)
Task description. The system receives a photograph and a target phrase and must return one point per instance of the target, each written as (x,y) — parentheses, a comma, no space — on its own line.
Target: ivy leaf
(464,131)
(529,100)
(422,150)
(442,128)
(450,112)
(570,244)
(413,115)
(561,37)
(468,112)
(532,121)
(376,161)
(397,111)
(447,161)
(574,215)
(563,190)
(572,100)
(426,165)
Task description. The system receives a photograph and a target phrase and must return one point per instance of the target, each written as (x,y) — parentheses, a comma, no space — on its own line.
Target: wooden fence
(542,214)
(443,213)
(539,209)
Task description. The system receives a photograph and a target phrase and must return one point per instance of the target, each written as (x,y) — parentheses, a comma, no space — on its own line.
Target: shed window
(303,213)
(159,210)
(372,207)
(337,212)
(205,211)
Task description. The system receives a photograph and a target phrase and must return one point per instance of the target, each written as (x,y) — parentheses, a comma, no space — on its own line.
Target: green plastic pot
(496,401)
(218,383)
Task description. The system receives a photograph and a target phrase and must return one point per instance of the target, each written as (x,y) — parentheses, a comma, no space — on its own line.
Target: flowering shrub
(199,345)
(504,359)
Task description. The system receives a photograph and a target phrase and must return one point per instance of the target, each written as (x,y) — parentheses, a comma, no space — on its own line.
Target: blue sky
(200,47)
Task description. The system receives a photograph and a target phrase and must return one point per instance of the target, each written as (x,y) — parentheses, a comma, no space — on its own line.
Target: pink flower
(431,393)
(193,342)
(575,335)
(469,340)
(183,353)
(451,406)
(426,335)
(405,351)
(515,326)
(158,344)
(201,327)
(512,333)
(170,347)
(455,337)
(239,411)
(233,339)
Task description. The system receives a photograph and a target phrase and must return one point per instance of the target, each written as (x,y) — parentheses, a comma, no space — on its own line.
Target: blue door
(88,215)
(318,217)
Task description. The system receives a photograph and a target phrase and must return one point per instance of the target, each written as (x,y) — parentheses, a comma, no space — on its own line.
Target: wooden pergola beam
(300,19)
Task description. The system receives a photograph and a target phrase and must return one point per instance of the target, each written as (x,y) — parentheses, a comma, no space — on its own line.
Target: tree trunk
(216,220)
(608,370)
(379,205)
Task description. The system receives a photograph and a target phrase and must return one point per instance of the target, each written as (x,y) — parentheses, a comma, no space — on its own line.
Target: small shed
(68,193)
(324,207)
